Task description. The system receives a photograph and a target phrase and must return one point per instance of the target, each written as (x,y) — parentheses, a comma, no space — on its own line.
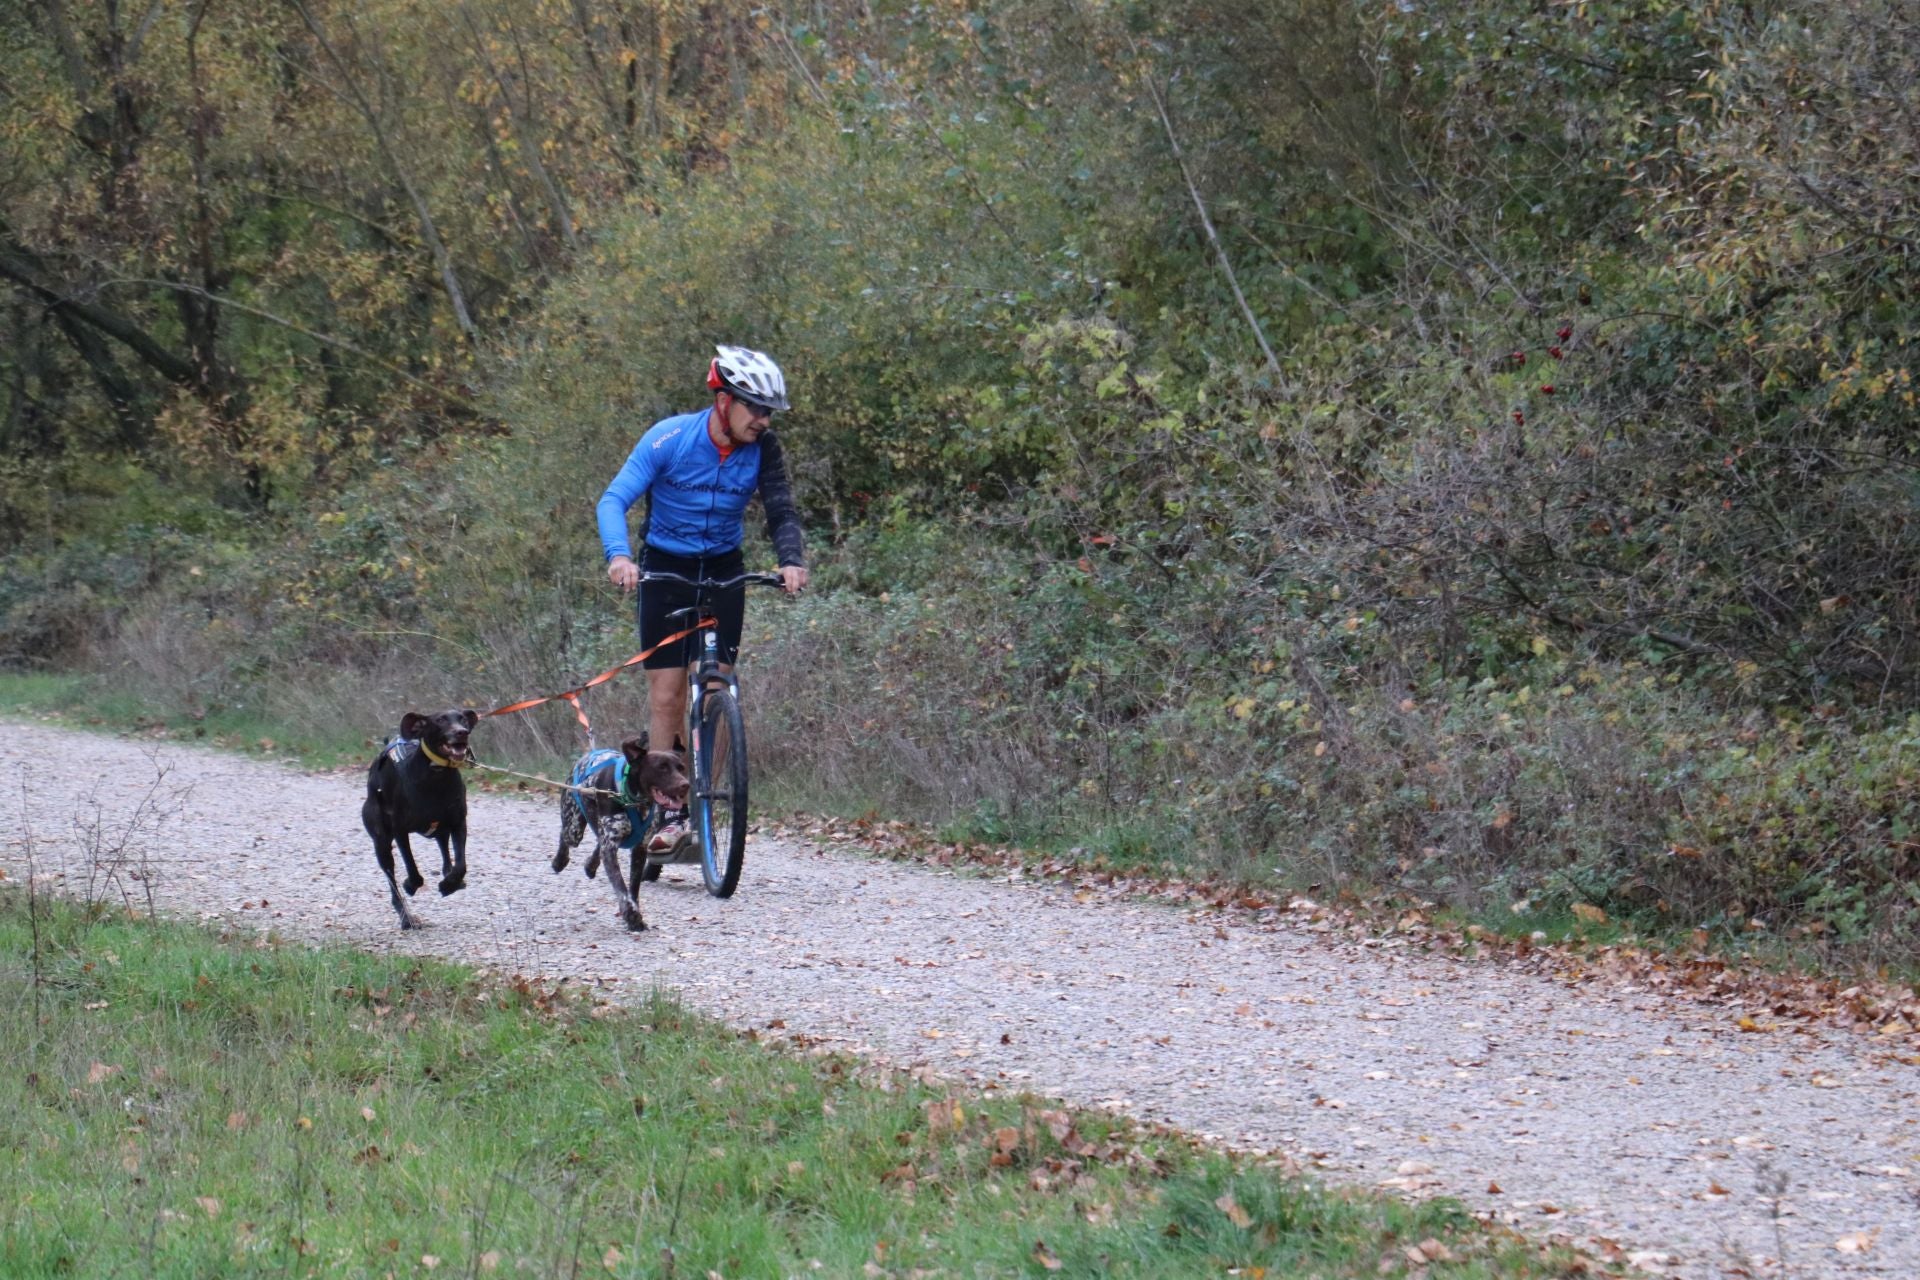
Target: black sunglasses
(754,410)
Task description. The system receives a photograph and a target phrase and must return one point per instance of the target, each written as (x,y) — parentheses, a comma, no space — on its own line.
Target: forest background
(1465,446)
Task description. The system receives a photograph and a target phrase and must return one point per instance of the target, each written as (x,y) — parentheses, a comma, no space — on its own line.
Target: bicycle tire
(720,792)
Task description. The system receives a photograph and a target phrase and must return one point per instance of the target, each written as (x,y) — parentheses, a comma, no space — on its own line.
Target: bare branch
(450,280)
(453,398)
(1206,221)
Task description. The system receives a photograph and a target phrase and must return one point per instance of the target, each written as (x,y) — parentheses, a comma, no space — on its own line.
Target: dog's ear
(635,750)
(413,725)
(471,716)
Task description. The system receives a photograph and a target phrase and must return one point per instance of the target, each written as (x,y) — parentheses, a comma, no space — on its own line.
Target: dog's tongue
(665,801)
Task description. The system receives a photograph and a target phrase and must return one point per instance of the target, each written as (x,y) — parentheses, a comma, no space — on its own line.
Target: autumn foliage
(1457,445)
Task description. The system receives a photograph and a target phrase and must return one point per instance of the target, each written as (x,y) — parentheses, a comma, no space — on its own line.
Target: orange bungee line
(572,696)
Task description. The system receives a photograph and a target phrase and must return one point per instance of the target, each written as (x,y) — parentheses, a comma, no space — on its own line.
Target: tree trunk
(22,266)
(200,313)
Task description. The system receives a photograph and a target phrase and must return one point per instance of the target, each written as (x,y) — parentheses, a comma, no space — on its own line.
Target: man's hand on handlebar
(793,577)
(623,573)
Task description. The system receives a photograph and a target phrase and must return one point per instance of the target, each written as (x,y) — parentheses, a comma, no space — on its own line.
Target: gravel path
(1601,1115)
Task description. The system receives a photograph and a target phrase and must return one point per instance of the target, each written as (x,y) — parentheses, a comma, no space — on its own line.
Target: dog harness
(582,776)
(401,750)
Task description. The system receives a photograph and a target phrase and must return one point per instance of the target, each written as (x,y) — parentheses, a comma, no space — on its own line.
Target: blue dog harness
(582,775)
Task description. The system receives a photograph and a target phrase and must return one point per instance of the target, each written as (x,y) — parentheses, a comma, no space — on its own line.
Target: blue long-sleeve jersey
(696,503)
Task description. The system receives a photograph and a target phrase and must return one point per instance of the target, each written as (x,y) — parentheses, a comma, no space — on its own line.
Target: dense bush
(1562,549)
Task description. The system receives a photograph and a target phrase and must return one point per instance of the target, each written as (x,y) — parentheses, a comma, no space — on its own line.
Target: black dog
(616,789)
(414,787)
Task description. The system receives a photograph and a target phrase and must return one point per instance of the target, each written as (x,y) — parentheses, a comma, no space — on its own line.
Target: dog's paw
(592,867)
(560,861)
(634,923)
(412,883)
(452,884)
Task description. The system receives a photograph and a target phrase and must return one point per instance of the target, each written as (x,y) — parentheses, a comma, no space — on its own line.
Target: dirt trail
(1617,1115)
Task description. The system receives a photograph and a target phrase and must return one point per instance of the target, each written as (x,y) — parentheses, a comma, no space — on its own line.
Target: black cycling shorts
(658,599)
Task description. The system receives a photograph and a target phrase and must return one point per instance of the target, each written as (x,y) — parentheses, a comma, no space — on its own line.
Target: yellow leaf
(1044,1256)
(1235,1214)
(1588,912)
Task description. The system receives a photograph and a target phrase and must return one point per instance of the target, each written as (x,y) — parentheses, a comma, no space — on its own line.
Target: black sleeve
(776,495)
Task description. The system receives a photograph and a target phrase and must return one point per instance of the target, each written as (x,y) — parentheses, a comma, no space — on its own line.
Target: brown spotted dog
(616,791)
(414,787)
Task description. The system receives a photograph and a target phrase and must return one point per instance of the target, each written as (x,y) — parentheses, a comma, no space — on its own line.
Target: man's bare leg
(667,705)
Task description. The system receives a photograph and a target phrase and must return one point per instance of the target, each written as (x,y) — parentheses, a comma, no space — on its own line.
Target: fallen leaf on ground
(1235,1214)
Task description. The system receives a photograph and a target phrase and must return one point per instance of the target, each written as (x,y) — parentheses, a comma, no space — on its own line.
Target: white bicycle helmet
(749,375)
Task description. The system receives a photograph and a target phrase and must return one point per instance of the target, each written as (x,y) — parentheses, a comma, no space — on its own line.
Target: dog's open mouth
(455,752)
(666,801)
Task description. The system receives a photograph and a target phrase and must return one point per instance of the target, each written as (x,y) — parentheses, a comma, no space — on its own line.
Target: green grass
(90,702)
(180,1105)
